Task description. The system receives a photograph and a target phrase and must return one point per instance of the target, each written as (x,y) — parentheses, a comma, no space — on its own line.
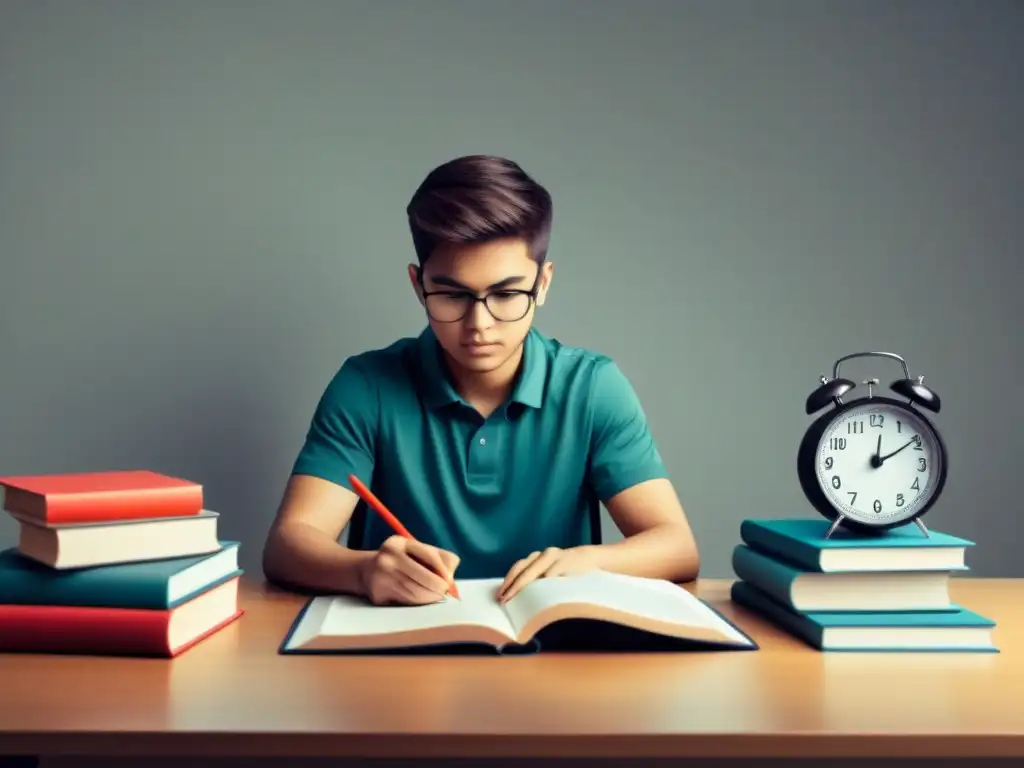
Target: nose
(478,317)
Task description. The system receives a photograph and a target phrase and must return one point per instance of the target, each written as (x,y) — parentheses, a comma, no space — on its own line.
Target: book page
(349,616)
(650,598)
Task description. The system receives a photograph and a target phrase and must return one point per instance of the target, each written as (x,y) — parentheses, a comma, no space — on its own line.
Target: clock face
(900,442)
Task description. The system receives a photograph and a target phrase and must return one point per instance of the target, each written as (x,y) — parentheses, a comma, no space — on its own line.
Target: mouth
(478,348)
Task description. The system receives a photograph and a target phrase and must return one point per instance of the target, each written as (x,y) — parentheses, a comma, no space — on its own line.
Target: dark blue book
(154,584)
(958,630)
(804,589)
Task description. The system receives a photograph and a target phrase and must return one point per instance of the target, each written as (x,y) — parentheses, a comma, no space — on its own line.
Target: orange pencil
(367,495)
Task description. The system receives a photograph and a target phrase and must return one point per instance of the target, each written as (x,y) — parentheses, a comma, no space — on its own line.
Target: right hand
(405,572)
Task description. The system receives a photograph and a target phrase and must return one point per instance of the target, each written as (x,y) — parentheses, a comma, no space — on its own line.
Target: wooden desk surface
(234,695)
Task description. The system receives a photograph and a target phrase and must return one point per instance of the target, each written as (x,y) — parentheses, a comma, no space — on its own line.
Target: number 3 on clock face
(878,463)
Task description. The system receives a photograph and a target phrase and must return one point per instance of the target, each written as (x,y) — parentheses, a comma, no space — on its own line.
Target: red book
(118,631)
(96,497)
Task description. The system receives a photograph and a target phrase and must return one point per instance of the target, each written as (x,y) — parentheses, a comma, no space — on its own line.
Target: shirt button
(483,441)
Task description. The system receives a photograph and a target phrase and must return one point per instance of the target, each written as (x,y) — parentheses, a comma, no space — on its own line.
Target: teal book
(802,589)
(803,543)
(959,630)
(154,584)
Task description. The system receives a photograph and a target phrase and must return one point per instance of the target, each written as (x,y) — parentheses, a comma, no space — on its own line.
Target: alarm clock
(874,462)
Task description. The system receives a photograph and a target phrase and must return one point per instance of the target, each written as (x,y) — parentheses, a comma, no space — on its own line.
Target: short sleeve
(342,433)
(622,449)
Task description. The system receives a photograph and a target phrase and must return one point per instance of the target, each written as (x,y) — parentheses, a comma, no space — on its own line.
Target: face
(480,342)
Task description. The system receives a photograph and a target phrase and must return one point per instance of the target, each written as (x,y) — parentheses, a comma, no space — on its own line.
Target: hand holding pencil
(405,571)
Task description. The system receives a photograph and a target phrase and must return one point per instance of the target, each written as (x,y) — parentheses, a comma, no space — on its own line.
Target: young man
(491,442)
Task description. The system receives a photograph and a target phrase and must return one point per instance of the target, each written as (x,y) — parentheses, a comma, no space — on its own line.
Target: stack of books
(121,563)
(849,592)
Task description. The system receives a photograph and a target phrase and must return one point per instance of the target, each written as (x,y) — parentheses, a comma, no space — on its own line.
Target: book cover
(100,496)
(107,631)
(153,584)
(802,542)
(805,589)
(959,630)
(87,545)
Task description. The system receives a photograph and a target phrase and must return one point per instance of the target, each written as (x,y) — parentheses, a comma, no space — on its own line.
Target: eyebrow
(451,283)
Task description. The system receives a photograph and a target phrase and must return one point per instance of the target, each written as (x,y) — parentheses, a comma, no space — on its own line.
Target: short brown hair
(477,198)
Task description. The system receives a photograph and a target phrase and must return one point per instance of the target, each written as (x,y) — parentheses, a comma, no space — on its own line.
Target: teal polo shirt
(492,490)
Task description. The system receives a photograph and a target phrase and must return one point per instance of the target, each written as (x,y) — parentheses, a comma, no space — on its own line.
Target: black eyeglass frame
(531,293)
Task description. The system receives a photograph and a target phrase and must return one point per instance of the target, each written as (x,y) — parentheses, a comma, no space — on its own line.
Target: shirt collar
(529,389)
(438,391)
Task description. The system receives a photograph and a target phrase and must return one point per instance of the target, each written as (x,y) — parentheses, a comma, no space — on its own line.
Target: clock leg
(832,529)
(921,526)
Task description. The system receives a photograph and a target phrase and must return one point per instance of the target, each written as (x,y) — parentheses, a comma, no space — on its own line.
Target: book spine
(773,578)
(798,553)
(749,597)
(72,629)
(113,506)
(87,588)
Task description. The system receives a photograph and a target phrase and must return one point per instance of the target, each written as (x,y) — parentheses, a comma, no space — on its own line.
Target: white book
(658,609)
(82,545)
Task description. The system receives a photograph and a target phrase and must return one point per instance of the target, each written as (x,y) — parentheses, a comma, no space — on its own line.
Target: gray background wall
(201,215)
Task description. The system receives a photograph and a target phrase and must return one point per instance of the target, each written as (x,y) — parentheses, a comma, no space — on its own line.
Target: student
(490,441)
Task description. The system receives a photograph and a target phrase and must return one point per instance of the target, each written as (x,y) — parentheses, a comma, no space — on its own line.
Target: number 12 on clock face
(877,462)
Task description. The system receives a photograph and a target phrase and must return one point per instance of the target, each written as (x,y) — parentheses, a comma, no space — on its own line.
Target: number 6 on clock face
(878,462)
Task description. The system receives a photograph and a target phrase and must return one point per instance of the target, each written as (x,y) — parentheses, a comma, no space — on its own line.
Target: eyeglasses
(506,306)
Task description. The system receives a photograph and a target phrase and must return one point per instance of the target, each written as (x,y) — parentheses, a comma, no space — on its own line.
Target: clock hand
(876,460)
(876,457)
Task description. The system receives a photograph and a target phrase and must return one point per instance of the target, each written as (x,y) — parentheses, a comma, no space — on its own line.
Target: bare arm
(658,541)
(631,480)
(302,548)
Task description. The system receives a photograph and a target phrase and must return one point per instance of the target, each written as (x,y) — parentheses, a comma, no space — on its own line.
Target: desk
(233,695)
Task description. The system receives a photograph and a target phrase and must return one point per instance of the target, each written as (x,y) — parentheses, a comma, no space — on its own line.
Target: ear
(546,273)
(414,278)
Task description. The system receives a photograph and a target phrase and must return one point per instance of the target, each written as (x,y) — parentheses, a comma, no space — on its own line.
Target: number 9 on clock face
(879,463)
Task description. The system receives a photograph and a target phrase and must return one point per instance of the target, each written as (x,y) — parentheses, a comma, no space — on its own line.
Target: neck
(490,387)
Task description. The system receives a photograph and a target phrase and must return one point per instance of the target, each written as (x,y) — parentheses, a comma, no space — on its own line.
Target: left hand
(551,562)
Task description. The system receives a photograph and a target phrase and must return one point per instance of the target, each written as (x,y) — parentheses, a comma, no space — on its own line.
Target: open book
(606,610)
